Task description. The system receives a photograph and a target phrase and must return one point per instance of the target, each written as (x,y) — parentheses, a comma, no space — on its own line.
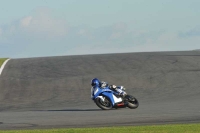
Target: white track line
(2,67)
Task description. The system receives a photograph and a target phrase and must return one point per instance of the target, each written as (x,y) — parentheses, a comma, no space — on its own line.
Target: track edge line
(2,67)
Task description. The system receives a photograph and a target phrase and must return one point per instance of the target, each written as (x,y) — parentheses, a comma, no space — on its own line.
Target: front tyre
(105,105)
(132,102)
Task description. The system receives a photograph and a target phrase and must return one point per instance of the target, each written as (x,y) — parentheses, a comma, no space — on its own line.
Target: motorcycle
(107,99)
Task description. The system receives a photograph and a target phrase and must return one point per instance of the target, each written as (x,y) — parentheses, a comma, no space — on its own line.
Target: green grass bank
(2,60)
(174,128)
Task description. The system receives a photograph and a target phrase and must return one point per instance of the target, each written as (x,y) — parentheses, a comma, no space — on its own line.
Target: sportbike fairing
(105,92)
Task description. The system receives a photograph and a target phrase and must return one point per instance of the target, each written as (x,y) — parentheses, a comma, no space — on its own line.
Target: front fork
(101,97)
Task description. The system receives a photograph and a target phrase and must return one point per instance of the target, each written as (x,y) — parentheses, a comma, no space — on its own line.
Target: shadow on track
(71,110)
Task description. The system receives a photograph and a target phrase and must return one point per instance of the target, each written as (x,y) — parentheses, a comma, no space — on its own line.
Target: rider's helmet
(95,82)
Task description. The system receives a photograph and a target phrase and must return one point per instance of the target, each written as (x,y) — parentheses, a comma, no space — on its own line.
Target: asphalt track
(54,92)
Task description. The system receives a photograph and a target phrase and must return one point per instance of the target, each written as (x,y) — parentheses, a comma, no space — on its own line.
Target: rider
(102,84)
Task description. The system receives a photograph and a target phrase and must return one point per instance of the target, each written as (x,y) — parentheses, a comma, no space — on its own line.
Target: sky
(40,28)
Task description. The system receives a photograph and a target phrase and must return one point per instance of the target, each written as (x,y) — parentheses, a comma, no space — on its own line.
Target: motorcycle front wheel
(132,102)
(105,105)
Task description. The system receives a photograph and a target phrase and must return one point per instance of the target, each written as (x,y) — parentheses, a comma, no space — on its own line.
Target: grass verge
(175,128)
(2,60)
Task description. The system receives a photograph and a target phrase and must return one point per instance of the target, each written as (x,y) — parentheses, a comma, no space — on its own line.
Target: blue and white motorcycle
(107,99)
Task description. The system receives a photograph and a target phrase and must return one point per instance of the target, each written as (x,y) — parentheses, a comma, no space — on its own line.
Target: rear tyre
(105,105)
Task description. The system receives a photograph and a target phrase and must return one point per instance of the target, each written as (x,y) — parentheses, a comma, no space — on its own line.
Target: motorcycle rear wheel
(104,105)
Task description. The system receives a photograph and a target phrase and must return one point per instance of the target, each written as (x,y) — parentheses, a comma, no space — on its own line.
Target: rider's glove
(113,87)
(104,84)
